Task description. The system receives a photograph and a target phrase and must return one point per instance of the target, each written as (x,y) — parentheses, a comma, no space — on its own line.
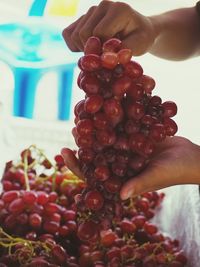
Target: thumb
(138,41)
(71,161)
(148,180)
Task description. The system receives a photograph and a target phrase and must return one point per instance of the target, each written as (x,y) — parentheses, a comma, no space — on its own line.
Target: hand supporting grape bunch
(175,161)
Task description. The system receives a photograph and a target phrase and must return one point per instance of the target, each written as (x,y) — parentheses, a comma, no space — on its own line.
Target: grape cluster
(37,205)
(51,218)
(43,225)
(118,125)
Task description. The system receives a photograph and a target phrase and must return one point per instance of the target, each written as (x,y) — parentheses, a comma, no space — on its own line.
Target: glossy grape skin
(93,46)
(147,83)
(124,56)
(121,86)
(106,137)
(133,70)
(84,127)
(90,84)
(112,45)
(102,173)
(109,60)
(112,107)
(158,132)
(87,230)
(93,103)
(94,200)
(90,62)
(100,121)
(170,126)
(135,110)
(170,109)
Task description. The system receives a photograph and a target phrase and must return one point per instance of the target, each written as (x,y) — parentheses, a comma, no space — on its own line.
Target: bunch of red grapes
(37,212)
(118,125)
(51,218)
(42,224)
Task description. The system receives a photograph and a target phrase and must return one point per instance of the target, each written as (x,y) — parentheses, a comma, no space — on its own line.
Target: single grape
(170,126)
(90,62)
(157,132)
(102,173)
(85,127)
(121,86)
(133,69)
(93,103)
(93,46)
(147,83)
(112,45)
(109,60)
(124,55)
(90,84)
(170,109)
(94,200)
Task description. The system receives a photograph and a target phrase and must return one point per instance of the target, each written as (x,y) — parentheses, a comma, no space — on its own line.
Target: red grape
(93,103)
(109,60)
(112,45)
(90,62)
(94,200)
(93,46)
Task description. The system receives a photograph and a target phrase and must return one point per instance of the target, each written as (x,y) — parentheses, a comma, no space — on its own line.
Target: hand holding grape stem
(175,161)
(167,35)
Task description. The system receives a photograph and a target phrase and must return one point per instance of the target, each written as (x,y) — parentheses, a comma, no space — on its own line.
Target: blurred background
(38,74)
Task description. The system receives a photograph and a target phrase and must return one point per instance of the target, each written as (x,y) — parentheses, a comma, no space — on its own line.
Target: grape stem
(7,241)
(26,171)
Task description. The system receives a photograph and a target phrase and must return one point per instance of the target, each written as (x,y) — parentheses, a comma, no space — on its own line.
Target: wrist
(197,169)
(157,29)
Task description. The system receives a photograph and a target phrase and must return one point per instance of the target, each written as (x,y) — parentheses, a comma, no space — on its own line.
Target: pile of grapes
(43,226)
(51,218)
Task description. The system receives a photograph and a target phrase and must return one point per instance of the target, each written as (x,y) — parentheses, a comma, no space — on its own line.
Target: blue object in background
(37,8)
(32,49)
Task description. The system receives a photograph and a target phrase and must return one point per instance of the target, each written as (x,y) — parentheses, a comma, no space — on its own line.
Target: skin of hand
(172,35)
(175,161)
(110,19)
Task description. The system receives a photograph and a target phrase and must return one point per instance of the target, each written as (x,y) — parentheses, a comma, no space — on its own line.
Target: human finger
(87,29)
(67,33)
(152,178)
(115,22)
(71,161)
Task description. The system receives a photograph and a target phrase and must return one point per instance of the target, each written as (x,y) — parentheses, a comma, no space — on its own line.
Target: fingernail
(126,195)
(63,150)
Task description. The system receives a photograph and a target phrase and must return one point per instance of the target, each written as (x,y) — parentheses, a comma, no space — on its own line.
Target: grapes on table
(50,217)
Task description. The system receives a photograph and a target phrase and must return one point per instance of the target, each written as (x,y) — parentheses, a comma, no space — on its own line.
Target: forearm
(177,34)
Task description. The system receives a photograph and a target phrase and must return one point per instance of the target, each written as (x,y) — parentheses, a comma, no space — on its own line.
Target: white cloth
(180,218)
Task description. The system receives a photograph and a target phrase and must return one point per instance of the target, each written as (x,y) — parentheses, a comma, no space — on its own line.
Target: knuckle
(75,36)
(65,33)
(91,9)
(83,35)
(105,4)
(101,33)
(122,6)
